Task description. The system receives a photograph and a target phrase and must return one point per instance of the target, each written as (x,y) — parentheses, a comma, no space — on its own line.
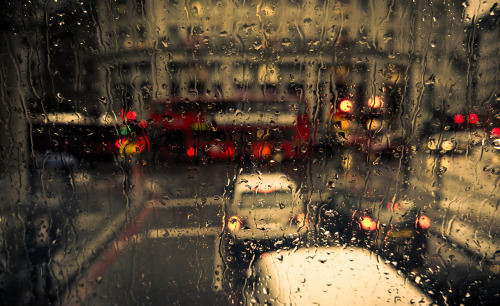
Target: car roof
(331,274)
(274,181)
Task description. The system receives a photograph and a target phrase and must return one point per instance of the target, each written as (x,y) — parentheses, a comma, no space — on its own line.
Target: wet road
(157,242)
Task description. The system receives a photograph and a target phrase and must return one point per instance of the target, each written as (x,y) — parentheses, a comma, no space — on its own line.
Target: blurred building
(199,49)
(98,58)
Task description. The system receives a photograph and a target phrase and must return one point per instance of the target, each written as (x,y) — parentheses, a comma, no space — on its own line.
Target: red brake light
(234,223)
(131,115)
(230,151)
(368,224)
(495,132)
(119,142)
(459,119)
(345,106)
(473,118)
(424,222)
(264,189)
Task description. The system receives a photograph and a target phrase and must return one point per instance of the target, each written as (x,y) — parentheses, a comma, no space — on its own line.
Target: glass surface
(128,127)
(275,199)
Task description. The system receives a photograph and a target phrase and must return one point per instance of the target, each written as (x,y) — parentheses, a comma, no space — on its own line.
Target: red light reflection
(473,118)
(459,119)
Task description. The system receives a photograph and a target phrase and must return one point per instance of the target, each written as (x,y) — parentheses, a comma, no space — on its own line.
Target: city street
(160,242)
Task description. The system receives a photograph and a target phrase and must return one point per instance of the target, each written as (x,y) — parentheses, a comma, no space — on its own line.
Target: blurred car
(397,230)
(371,135)
(266,211)
(466,167)
(326,276)
(456,142)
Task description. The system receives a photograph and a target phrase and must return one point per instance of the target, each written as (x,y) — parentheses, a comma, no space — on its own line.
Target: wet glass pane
(249,152)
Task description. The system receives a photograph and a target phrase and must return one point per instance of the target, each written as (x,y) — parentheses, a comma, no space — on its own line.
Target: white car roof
(274,181)
(331,276)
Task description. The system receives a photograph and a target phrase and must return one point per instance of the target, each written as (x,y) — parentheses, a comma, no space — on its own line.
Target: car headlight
(368,224)
(447,145)
(234,223)
(432,144)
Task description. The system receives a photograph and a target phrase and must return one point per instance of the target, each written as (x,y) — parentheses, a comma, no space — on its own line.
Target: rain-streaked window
(249,152)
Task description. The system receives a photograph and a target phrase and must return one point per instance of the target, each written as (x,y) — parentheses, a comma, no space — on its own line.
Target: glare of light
(447,145)
(432,144)
(190,151)
(344,124)
(230,150)
(424,222)
(234,223)
(119,143)
(368,224)
(473,118)
(132,148)
(266,151)
(373,124)
(262,152)
(345,106)
(301,220)
(459,119)
(131,115)
(375,102)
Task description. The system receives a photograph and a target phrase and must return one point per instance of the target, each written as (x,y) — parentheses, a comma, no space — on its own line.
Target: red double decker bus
(263,128)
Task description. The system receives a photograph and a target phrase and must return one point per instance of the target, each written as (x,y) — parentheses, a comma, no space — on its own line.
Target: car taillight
(230,151)
(119,142)
(424,222)
(190,151)
(234,223)
(473,118)
(459,119)
(368,224)
(495,132)
(301,220)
